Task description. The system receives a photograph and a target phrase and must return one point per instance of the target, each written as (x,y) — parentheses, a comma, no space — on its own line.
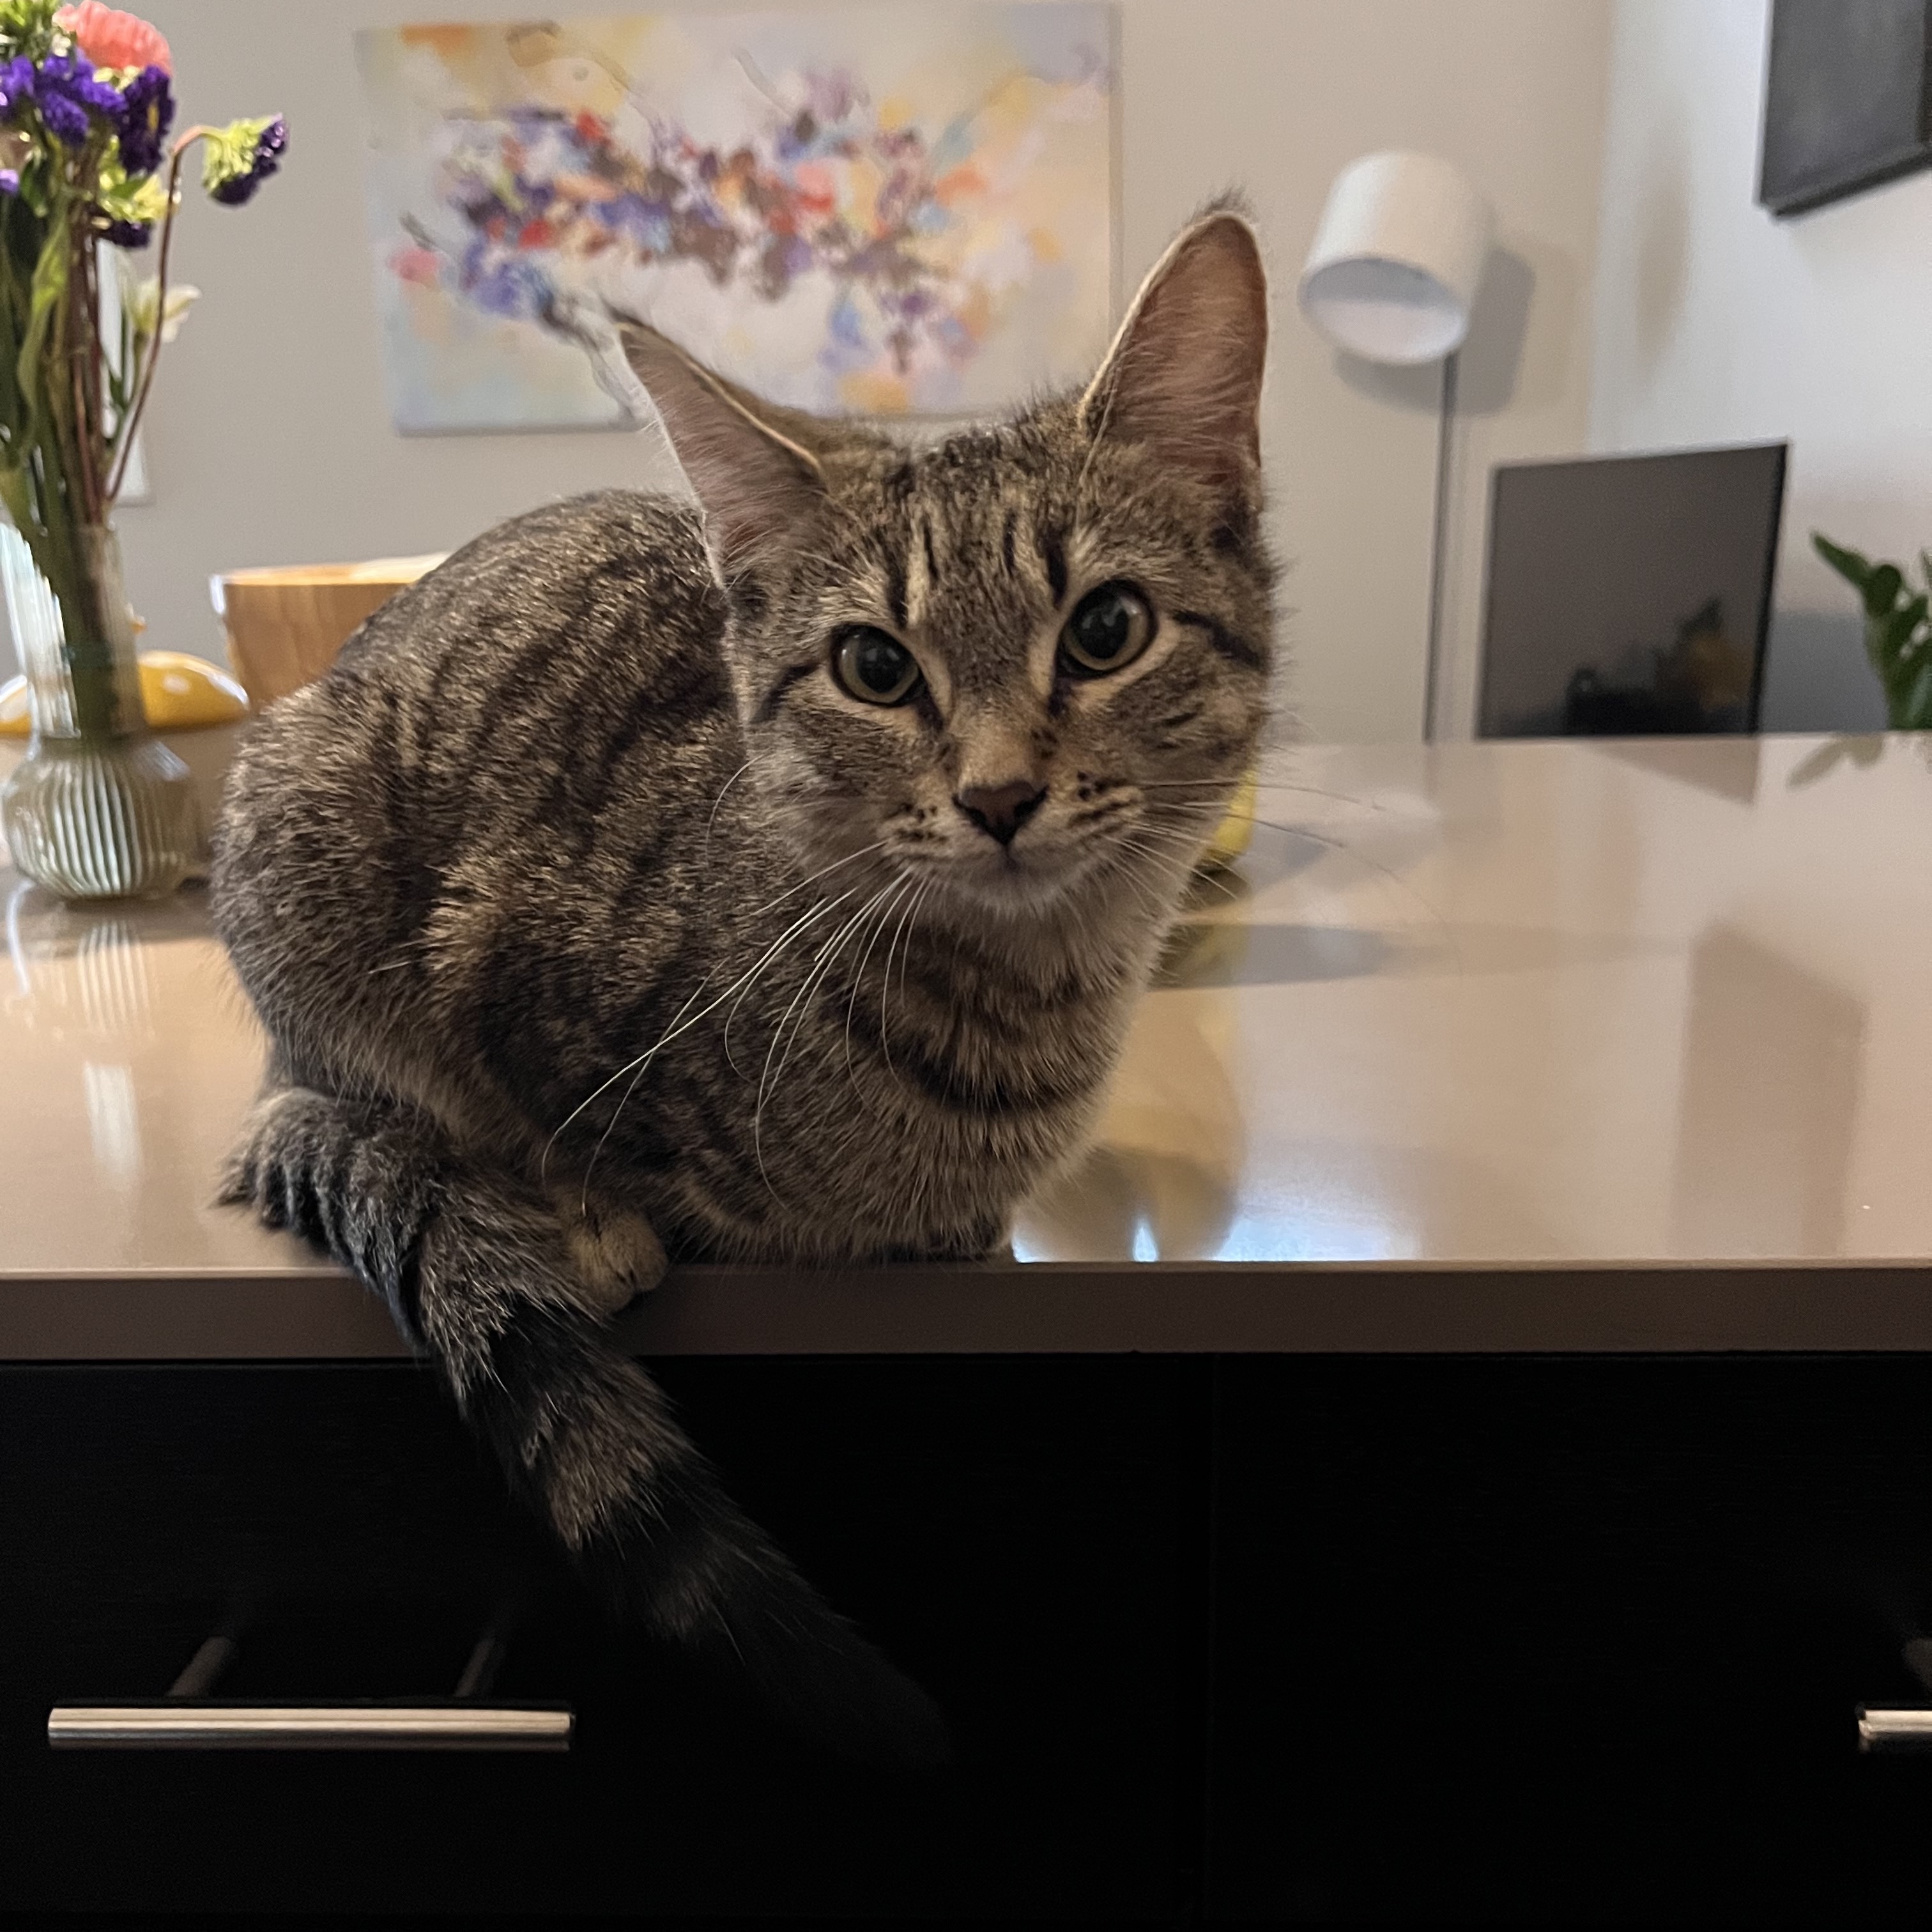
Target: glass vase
(99,808)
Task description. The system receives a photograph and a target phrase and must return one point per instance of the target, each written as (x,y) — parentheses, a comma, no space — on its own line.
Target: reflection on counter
(121,1022)
(1161,1177)
(1210,953)
(96,984)
(1770,1101)
(87,971)
(113,1121)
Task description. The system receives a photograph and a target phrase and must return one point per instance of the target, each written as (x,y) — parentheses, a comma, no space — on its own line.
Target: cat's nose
(999,811)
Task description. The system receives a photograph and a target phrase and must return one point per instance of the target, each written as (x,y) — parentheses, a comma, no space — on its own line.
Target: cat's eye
(874,666)
(1110,627)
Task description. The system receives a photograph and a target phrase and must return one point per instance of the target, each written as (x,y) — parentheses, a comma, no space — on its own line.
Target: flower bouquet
(99,807)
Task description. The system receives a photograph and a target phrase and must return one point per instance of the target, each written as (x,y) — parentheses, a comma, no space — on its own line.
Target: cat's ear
(760,489)
(1183,377)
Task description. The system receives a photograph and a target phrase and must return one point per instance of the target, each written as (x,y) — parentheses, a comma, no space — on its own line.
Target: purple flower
(10,180)
(127,234)
(149,107)
(16,86)
(70,98)
(268,145)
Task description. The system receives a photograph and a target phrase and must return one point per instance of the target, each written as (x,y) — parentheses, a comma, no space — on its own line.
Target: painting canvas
(1847,103)
(868,210)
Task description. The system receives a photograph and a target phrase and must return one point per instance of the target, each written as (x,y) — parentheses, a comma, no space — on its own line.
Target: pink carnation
(111,38)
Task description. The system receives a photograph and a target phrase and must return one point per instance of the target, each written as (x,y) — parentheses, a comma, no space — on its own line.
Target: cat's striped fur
(591,918)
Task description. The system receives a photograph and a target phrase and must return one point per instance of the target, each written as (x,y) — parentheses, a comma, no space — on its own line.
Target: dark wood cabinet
(1323,1639)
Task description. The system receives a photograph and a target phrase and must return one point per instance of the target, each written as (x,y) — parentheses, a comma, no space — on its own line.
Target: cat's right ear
(759,489)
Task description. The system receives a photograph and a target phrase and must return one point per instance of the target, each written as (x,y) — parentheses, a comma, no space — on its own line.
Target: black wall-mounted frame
(1848,99)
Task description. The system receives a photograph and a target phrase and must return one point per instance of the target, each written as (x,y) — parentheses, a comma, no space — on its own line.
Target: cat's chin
(1018,889)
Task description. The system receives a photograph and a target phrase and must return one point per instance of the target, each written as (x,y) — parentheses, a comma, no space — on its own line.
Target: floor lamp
(1392,278)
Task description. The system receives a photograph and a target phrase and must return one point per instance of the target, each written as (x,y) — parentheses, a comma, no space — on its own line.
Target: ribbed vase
(99,808)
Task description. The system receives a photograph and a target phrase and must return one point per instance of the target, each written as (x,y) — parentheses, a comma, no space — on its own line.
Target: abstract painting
(865,210)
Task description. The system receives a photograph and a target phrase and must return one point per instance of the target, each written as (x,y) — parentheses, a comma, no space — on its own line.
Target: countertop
(1596,1045)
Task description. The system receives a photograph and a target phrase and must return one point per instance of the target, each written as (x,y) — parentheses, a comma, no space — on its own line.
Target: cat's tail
(474,1271)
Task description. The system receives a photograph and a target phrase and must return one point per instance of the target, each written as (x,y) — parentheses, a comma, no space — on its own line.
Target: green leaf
(1914,712)
(1848,563)
(1893,635)
(49,284)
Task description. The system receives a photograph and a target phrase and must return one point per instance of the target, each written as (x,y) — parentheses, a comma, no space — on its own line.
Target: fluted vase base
(115,818)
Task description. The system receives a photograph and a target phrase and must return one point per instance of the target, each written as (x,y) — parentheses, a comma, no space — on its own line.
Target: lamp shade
(1392,276)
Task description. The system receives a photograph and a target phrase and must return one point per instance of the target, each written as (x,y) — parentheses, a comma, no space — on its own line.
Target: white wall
(1280,94)
(1715,323)
(269,441)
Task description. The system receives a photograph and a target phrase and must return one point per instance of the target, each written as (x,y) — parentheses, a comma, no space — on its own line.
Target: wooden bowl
(285,626)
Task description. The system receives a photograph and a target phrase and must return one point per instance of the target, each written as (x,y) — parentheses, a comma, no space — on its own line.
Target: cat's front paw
(615,1251)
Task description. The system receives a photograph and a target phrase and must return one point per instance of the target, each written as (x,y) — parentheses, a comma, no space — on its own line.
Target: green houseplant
(1898,630)
(98,808)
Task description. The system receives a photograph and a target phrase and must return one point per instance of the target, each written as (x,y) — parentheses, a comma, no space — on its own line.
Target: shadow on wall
(1663,264)
(1816,677)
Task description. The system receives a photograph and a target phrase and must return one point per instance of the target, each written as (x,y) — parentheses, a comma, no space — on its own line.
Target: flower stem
(125,435)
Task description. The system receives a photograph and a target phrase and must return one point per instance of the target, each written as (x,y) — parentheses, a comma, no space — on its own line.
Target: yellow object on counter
(1231,837)
(181,694)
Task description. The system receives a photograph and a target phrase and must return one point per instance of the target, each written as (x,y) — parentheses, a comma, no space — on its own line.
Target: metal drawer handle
(189,1719)
(1894,1730)
(172,1724)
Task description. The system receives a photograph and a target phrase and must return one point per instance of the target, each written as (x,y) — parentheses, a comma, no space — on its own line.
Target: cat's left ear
(1183,377)
(760,489)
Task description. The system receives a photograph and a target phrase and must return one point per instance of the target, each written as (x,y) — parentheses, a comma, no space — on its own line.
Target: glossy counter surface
(1590,1045)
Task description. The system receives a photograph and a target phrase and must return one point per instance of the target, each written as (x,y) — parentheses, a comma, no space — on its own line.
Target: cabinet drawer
(1569,1639)
(1022,1537)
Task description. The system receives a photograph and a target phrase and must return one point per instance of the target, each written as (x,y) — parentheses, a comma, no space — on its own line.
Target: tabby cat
(768,879)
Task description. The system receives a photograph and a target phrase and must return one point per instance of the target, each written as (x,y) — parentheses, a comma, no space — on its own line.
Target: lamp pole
(1434,678)
(1391,277)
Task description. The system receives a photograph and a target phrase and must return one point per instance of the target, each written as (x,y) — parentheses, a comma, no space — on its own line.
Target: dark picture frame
(1848,99)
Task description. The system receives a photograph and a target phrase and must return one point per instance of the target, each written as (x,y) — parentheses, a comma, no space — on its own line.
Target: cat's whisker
(1261,784)
(1174,851)
(768,1081)
(1128,876)
(1171,854)
(675,1029)
(886,987)
(876,845)
(1342,846)
(885,981)
(912,929)
(905,884)
(819,911)
(821,966)
(623,1100)
(711,823)
(1183,850)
